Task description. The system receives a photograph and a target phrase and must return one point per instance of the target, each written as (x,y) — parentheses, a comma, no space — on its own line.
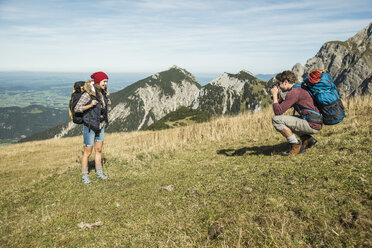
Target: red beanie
(315,76)
(98,76)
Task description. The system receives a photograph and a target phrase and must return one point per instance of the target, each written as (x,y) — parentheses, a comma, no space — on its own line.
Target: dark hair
(286,75)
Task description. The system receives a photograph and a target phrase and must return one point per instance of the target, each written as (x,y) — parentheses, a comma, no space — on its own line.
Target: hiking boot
(86,179)
(101,175)
(295,149)
(308,141)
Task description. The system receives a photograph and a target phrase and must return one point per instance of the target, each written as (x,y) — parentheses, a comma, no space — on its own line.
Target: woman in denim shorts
(93,104)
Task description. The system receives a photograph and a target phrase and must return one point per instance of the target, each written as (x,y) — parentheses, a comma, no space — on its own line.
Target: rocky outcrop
(232,93)
(348,62)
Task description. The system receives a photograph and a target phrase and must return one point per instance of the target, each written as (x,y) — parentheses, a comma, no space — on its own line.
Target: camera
(272,83)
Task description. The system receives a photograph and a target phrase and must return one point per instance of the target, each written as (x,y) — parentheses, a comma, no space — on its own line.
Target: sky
(201,36)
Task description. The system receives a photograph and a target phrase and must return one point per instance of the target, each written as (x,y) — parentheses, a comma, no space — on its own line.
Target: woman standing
(93,104)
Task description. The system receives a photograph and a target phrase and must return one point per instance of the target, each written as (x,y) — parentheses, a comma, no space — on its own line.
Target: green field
(55,97)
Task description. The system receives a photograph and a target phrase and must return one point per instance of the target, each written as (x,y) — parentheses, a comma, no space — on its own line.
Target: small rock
(248,189)
(168,188)
(89,226)
(363,180)
(255,140)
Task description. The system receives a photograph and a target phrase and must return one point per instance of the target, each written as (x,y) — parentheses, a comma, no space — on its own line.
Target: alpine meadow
(220,183)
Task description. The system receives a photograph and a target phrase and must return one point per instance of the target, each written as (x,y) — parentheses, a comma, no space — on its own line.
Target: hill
(218,184)
(17,123)
(183,116)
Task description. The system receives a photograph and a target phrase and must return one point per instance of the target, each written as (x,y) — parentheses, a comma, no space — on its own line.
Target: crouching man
(304,125)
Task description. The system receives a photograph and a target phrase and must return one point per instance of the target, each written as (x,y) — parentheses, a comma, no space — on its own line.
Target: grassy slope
(183,116)
(231,188)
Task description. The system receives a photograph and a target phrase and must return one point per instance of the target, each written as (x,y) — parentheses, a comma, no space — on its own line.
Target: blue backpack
(324,93)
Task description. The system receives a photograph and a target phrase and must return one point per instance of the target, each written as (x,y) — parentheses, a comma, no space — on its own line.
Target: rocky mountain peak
(234,81)
(228,81)
(231,93)
(363,36)
(348,62)
(245,72)
(187,74)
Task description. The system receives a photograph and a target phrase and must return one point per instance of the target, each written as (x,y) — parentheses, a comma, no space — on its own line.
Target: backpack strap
(314,116)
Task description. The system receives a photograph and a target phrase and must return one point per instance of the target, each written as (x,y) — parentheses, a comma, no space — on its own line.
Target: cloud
(200,33)
(173,5)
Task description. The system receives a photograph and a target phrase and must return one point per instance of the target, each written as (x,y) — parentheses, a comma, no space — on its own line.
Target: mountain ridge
(231,93)
(348,62)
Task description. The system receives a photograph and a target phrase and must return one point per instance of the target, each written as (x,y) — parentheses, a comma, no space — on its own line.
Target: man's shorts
(91,136)
(296,124)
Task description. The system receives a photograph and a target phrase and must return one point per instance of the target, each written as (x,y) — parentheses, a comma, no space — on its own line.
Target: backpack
(325,95)
(75,97)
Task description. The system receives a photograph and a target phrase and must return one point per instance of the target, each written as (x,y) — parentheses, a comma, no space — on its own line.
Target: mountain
(17,123)
(265,77)
(141,104)
(349,63)
(57,131)
(146,101)
(232,93)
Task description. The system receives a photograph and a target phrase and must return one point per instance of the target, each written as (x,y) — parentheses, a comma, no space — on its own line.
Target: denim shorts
(91,136)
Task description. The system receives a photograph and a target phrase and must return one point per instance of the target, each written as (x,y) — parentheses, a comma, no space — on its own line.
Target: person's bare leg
(84,164)
(86,155)
(98,159)
(286,132)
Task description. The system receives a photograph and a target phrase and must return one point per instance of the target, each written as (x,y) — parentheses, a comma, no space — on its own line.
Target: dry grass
(28,162)
(228,189)
(246,125)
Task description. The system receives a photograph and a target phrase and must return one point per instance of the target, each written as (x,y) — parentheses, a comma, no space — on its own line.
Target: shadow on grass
(92,164)
(256,150)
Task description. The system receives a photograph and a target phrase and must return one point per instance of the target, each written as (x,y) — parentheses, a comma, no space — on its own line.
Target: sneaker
(308,141)
(295,149)
(101,175)
(86,179)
